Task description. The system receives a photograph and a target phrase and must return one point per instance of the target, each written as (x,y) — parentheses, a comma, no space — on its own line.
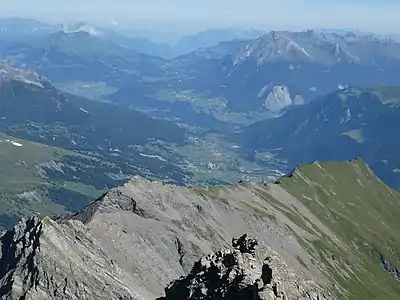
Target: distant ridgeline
(346,124)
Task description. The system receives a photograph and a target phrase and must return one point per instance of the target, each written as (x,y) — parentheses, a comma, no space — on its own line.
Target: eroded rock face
(278,99)
(245,272)
(41,259)
(8,73)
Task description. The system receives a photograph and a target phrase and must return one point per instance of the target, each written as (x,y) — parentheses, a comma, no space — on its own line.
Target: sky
(367,15)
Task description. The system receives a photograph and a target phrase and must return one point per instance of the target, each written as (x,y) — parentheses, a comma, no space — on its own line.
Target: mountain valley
(103,145)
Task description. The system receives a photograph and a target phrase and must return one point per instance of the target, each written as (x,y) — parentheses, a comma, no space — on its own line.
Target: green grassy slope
(363,213)
(26,184)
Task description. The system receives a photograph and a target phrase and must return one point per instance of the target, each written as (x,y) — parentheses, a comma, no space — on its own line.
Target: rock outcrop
(246,272)
(41,259)
(278,99)
(8,73)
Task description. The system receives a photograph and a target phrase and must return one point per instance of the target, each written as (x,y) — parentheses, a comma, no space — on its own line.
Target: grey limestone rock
(135,239)
(246,272)
(45,260)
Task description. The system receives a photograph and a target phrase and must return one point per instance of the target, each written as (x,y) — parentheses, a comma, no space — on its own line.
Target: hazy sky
(372,15)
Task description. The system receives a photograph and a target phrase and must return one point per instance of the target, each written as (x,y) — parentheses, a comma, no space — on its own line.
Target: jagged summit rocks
(247,272)
(245,244)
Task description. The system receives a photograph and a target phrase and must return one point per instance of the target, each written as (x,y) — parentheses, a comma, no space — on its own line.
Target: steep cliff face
(42,259)
(136,239)
(280,98)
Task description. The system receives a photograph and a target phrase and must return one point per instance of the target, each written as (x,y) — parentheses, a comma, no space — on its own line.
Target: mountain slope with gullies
(308,64)
(30,98)
(59,152)
(333,225)
(347,123)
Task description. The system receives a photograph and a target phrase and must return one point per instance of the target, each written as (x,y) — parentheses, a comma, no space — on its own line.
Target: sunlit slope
(363,213)
(36,178)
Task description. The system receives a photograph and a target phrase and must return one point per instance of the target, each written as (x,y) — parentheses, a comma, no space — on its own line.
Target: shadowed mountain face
(89,121)
(61,151)
(320,232)
(345,124)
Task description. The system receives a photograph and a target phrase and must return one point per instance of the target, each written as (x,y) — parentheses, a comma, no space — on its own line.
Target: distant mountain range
(81,56)
(307,64)
(234,83)
(213,37)
(17,29)
(348,123)
(249,72)
(187,44)
(23,30)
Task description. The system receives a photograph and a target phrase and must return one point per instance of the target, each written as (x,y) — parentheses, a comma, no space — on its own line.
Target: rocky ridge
(313,46)
(45,260)
(136,239)
(247,271)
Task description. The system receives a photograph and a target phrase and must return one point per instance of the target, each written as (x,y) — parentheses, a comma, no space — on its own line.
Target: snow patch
(27,81)
(347,117)
(91,30)
(263,91)
(16,144)
(294,46)
(12,143)
(30,196)
(152,156)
